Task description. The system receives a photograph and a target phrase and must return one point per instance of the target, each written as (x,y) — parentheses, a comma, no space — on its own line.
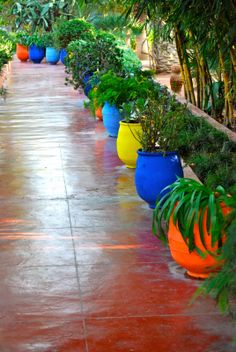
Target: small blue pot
(111,119)
(154,172)
(87,86)
(36,54)
(52,56)
(63,54)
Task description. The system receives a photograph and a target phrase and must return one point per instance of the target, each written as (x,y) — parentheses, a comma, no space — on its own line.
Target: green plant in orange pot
(194,224)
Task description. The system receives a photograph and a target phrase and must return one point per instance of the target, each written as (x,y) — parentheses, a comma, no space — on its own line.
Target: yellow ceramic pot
(127,145)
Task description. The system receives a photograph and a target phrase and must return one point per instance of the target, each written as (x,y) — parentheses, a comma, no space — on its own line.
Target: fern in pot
(192,217)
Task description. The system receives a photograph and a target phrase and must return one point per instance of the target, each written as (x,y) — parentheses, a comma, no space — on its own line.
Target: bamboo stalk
(229,111)
(198,79)
(188,76)
(233,57)
(181,67)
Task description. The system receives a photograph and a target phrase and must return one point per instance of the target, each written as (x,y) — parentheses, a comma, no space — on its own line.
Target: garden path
(79,267)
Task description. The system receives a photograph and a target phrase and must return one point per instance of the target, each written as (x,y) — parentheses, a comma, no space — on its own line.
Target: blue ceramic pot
(36,54)
(52,56)
(111,119)
(63,54)
(154,172)
(87,86)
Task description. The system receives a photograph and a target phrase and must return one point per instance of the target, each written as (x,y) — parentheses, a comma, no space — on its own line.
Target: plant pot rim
(157,153)
(25,46)
(123,122)
(37,46)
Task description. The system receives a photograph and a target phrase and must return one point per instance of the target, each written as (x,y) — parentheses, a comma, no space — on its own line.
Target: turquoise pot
(111,119)
(52,56)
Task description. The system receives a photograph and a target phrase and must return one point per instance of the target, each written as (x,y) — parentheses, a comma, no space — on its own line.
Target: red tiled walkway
(79,267)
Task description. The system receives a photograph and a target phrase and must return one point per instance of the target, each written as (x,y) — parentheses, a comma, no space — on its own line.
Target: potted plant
(111,92)
(22,41)
(158,164)
(139,86)
(110,95)
(195,219)
(52,54)
(36,48)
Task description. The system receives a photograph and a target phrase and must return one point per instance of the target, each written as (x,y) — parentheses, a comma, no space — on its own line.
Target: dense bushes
(67,31)
(7,48)
(99,54)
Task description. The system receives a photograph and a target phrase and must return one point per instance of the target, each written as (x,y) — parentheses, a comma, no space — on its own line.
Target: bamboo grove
(205,37)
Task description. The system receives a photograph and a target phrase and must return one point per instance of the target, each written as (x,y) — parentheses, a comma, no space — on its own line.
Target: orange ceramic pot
(196,265)
(98,113)
(22,52)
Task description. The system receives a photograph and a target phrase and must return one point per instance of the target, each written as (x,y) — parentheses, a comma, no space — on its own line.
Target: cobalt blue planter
(155,171)
(52,56)
(111,119)
(36,54)
(87,86)
(63,55)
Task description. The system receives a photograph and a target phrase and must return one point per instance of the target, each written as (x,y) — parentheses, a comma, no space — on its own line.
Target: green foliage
(130,61)
(80,61)
(119,90)
(222,286)
(215,89)
(99,54)
(187,203)
(38,15)
(161,117)
(118,25)
(7,47)
(36,39)
(215,168)
(49,39)
(22,38)
(68,31)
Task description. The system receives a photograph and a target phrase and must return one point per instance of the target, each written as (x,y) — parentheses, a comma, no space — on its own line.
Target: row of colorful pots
(36,54)
(154,172)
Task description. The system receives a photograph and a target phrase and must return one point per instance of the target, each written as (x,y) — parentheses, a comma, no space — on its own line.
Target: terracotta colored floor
(79,267)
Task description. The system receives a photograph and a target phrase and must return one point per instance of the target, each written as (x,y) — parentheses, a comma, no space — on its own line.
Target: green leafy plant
(7,43)
(49,39)
(80,61)
(121,91)
(22,38)
(37,39)
(222,285)
(214,91)
(119,25)
(75,29)
(38,15)
(7,48)
(162,118)
(187,202)
(100,54)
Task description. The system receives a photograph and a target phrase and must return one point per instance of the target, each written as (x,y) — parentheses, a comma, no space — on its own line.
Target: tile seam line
(75,257)
(87,317)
